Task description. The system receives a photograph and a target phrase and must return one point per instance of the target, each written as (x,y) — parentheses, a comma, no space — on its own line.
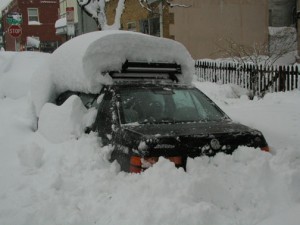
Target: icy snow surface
(72,182)
(82,63)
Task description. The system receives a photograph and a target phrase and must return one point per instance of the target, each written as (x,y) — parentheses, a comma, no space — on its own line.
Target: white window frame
(37,12)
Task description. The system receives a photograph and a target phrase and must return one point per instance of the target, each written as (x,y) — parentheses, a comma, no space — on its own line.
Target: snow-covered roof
(82,63)
(3,4)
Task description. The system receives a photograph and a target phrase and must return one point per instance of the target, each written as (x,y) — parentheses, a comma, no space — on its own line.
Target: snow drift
(73,182)
(61,123)
(82,63)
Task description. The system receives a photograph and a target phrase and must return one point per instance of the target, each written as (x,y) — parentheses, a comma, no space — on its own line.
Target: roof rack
(147,71)
(144,67)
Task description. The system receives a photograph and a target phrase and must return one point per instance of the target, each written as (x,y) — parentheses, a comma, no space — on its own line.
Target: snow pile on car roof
(82,63)
(89,57)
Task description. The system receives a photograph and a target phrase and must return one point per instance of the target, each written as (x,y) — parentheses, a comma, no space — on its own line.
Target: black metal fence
(259,79)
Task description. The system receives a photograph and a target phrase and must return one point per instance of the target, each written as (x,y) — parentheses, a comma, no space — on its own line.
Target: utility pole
(161,19)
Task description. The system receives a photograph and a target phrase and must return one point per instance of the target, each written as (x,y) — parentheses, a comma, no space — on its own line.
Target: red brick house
(38,24)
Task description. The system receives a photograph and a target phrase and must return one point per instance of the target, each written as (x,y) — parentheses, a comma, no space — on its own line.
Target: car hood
(188,129)
(192,139)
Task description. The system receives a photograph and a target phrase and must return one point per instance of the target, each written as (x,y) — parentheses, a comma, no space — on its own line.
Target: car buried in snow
(146,104)
(146,114)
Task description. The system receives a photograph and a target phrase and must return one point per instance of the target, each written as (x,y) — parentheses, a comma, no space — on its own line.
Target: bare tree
(260,55)
(97,10)
(148,4)
(281,42)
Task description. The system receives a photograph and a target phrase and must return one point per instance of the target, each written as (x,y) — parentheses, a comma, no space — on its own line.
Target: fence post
(296,80)
(244,76)
(281,78)
(210,72)
(222,66)
(215,72)
(292,77)
(260,79)
(287,78)
(270,78)
(250,69)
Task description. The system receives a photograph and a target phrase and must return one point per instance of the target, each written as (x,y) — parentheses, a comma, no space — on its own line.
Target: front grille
(227,143)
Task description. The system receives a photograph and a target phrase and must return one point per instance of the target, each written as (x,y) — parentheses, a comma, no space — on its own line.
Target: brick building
(38,23)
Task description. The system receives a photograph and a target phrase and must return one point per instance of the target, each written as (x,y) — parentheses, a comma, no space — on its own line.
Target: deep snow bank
(68,121)
(73,183)
(276,115)
(82,63)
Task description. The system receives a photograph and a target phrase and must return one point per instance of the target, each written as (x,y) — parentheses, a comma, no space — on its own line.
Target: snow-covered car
(146,104)
(146,114)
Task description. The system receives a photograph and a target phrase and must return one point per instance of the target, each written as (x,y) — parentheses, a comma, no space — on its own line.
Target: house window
(144,26)
(150,26)
(33,15)
(131,26)
(154,26)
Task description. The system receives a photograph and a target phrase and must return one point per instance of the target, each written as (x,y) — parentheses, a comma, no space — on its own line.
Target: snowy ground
(73,183)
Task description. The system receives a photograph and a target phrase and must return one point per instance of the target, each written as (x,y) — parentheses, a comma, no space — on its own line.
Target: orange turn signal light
(137,163)
(266,149)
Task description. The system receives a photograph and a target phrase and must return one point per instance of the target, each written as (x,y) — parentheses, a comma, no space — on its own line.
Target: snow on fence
(259,79)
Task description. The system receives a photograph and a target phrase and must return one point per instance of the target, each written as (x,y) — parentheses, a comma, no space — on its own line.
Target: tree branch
(176,5)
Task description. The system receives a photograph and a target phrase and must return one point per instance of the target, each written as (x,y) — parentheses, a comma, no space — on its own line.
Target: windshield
(166,105)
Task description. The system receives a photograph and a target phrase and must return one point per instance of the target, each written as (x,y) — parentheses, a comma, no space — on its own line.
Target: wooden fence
(259,79)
